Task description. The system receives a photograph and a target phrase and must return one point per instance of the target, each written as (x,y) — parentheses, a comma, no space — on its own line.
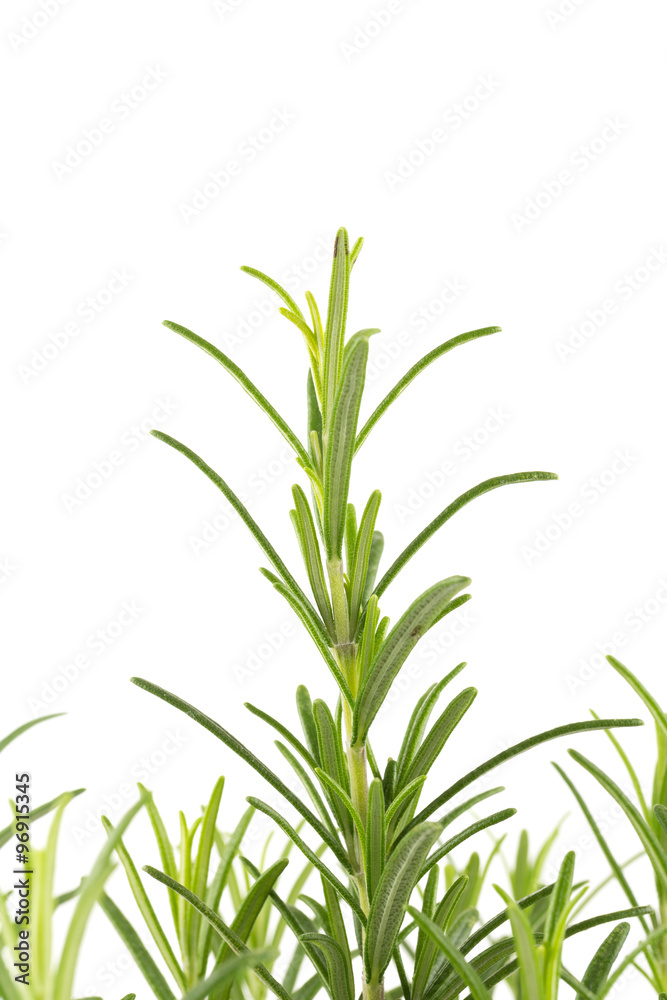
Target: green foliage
(647,815)
(205,866)
(370,822)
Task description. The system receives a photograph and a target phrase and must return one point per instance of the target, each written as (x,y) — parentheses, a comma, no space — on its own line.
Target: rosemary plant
(51,976)
(648,817)
(381,841)
(208,865)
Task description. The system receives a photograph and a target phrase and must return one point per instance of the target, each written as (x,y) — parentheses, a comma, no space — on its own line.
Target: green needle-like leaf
(405,635)
(649,840)
(444,516)
(412,374)
(146,910)
(470,831)
(340,982)
(340,448)
(434,743)
(375,846)
(230,938)
(591,725)
(453,955)
(560,897)
(310,551)
(228,971)
(242,751)
(241,510)
(141,956)
(275,287)
(23,728)
(395,887)
(336,316)
(39,811)
(286,827)
(600,966)
(359,567)
(527,958)
(245,382)
(416,727)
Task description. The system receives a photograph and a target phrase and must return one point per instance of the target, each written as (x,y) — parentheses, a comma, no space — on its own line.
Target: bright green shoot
(381,843)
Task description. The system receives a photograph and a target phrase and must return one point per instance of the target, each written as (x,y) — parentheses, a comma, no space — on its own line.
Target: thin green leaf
(406,793)
(242,751)
(529,965)
(340,448)
(245,383)
(340,982)
(202,864)
(9,831)
(145,908)
(355,251)
(346,801)
(359,566)
(410,375)
(23,728)
(304,707)
(559,900)
(309,785)
(336,316)
(442,729)
(426,948)
(275,287)
(134,945)
(62,985)
(597,833)
(375,845)
(285,733)
(600,965)
(404,636)
(241,510)
(397,882)
(377,547)
(226,933)
(629,959)
(453,955)
(419,720)
(470,831)
(229,970)
(591,725)
(310,854)
(444,516)
(311,557)
(648,838)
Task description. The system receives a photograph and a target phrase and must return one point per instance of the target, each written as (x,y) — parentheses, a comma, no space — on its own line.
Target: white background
(519,93)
